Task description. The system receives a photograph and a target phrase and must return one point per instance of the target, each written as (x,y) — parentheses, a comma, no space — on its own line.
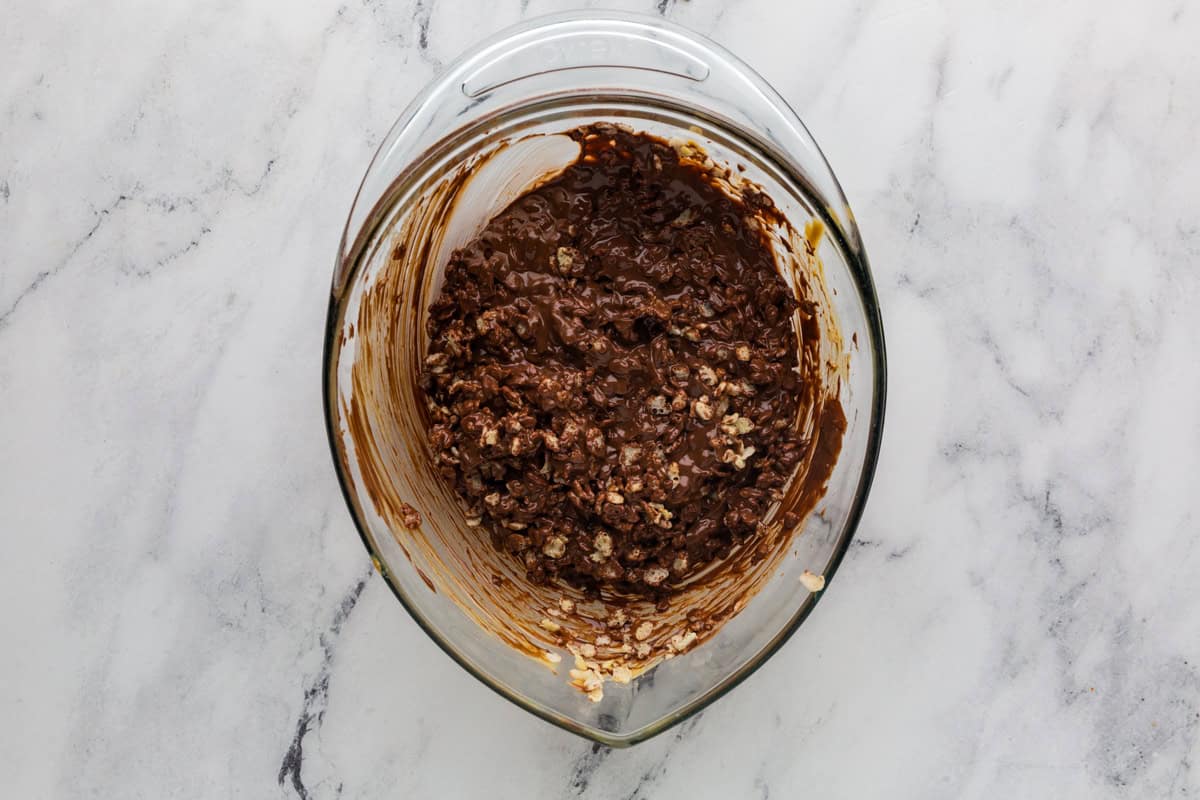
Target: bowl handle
(616,46)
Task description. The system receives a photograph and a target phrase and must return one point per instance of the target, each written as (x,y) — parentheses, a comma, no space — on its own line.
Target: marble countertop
(189,612)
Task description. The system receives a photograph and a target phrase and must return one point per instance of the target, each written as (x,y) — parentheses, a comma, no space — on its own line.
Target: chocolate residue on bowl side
(612,374)
(385,417)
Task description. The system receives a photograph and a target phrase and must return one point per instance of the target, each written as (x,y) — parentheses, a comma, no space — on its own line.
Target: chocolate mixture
(611,379)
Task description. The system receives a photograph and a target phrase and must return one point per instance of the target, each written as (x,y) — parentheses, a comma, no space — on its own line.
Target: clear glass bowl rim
(849,243)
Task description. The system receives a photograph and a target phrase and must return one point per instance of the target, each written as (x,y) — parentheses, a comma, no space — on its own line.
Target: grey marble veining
(189,612)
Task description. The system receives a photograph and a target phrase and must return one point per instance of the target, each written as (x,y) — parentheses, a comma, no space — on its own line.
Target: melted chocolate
(612,379)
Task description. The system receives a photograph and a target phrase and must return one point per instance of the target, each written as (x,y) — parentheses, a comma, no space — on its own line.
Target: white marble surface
(189,613)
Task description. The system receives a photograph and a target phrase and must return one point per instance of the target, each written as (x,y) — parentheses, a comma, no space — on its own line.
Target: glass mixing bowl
(544,77)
